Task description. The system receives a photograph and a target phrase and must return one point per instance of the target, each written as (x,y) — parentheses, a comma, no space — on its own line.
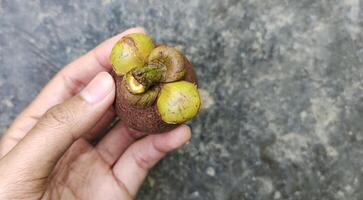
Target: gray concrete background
(282,82)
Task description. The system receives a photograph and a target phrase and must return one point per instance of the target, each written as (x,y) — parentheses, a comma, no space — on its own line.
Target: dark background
(281,82)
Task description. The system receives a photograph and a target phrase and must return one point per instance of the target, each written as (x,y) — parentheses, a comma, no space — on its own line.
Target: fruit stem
(140,79)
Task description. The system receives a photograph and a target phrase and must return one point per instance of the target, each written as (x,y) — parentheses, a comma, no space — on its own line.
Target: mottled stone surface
(282,81)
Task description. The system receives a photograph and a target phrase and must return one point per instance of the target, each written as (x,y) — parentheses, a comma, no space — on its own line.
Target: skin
(50,151)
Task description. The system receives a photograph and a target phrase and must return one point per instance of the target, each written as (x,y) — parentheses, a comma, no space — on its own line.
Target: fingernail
(98,88)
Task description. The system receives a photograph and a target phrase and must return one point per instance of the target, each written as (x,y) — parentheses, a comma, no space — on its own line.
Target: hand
(47,151)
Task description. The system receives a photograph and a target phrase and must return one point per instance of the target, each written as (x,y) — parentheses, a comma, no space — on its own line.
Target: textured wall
(282,82)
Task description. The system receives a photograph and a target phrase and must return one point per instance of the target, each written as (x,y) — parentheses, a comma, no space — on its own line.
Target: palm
(83,174)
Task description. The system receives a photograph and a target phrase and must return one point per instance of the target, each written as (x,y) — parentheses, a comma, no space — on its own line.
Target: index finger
(65,84)
(73,77)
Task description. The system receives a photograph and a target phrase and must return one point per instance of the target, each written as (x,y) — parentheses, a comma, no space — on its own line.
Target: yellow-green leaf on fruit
(178,102)
(144,44)
(130,51)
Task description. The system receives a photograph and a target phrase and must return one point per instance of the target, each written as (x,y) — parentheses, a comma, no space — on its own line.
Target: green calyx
(171,59)
(131,51)
(155,74)
(165,64)
(178,102)
(149,75)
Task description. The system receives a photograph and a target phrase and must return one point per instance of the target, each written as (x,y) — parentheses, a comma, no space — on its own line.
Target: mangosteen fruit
(156,85)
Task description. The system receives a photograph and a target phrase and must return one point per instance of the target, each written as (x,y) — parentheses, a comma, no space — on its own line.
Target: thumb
(60,126)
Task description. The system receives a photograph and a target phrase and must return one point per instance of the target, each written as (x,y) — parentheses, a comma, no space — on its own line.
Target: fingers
(68,82)
(115,142)
(63,124)
(135,163)
(102,126)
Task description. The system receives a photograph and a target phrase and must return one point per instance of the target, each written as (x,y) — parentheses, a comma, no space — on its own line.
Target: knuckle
(142,161)
(58,116)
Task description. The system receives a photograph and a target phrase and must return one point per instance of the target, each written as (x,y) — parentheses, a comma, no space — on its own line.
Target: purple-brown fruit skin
(146,119)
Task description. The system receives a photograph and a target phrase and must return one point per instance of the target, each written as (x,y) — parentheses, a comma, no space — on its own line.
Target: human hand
(47,151)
